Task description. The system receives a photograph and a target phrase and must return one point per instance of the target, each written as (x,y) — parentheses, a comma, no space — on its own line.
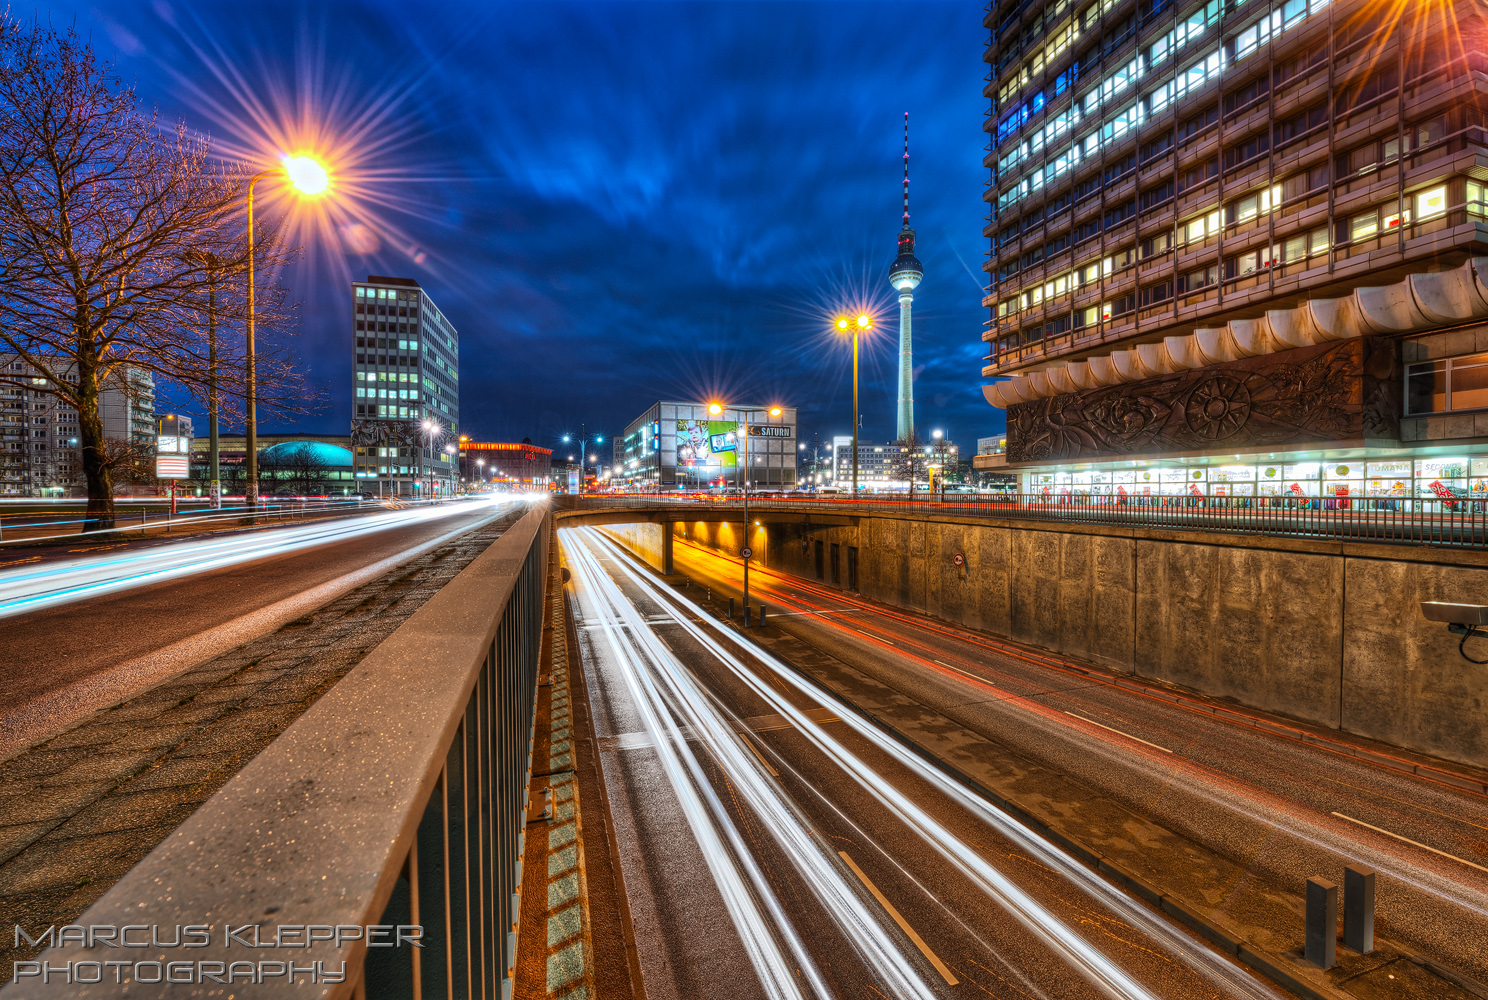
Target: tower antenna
(905,274)
(906,170)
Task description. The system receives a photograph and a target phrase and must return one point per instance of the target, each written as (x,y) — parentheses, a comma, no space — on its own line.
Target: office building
(406,411)
(889,466)
(518,466)
(1232,245)
(39,452)
(682,445)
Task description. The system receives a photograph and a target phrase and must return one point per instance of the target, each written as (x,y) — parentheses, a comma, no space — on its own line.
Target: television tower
(905,274)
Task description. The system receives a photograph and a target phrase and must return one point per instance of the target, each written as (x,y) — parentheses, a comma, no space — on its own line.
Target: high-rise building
(1235,241)
(39,451)
(406,412)
(905,274)
(679,444)
(889,466)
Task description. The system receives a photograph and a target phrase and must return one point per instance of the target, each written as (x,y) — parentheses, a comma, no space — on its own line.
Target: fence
(392,811)
(1450,522)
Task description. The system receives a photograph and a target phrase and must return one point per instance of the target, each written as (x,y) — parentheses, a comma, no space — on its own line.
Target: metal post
(762,616)
(855,419)
(1322,923)
(731,609)
(1358,909)
(747,547)
(250,498)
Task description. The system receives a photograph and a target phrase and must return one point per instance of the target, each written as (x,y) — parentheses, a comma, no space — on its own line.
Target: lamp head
(865,322)
(775,411)
(842,323)
(715,409)
(306,174)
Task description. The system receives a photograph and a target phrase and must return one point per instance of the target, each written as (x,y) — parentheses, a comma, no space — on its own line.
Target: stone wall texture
(1326,632)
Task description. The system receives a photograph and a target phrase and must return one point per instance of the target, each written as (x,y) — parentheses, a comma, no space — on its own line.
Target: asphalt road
(118,620)
(776,845)
(1284,805)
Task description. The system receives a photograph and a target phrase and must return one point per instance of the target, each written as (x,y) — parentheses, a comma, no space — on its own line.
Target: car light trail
(1099,970)
(1244,798)
(46,585)
(668,698)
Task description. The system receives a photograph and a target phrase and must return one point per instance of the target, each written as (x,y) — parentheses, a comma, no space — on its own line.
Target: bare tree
(303,470)
(104,221)
(910,460)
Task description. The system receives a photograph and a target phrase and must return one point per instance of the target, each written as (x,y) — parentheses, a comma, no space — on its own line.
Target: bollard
(1358,909)
(746,616)
(1322,923)
(731,609)
(762,616)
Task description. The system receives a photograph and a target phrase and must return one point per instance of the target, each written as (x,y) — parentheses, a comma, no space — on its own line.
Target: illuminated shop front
(1283,480)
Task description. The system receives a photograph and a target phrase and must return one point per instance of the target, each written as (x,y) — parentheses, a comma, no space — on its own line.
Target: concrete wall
(1327,632)
(652,542)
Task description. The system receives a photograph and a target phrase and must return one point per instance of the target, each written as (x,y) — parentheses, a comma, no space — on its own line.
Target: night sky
(613,203)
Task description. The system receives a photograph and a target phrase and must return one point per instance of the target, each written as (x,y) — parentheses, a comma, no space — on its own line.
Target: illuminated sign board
(707,443)
(173,447)
(769,430)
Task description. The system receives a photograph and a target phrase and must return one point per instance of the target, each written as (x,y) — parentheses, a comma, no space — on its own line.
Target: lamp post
(431,428)
(451,452)
(308,177)
(213,265)
(747,554)
(862,324)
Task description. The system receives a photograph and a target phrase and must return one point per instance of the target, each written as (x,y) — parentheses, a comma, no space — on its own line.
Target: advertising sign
(173,447)
(769,430)
(707,444)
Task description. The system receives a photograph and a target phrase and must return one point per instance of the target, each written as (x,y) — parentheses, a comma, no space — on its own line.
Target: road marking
(1118,732)
(1413,843)
(761,757)
(919,942)
(872,636)
(966,673)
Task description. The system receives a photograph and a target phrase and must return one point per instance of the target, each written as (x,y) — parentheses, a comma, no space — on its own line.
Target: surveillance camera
(1455,614)
(1462,619)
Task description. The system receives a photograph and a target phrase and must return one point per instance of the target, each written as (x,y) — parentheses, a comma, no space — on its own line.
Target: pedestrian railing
(1439,521)
(374,848)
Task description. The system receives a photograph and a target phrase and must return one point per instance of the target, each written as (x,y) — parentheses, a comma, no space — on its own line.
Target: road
(83,632)
(774,844)
(1281,801)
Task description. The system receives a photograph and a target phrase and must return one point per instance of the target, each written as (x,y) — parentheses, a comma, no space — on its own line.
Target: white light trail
(1080,954)
(666,693)
(43,585)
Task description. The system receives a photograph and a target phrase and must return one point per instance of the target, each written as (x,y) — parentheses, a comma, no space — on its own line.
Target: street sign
(746,552)
(958,560)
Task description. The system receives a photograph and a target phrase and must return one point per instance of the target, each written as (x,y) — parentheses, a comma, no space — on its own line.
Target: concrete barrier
(1329,632)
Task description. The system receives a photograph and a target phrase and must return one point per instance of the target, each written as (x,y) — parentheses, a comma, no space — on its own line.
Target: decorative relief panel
(1342,392)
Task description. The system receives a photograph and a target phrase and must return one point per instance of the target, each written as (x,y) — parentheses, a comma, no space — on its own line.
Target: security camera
(1465,620)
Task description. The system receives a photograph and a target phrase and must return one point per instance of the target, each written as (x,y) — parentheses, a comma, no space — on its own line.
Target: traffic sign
(746,552)
(958,559)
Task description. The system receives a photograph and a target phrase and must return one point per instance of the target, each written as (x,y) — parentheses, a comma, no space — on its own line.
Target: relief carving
(1345,391)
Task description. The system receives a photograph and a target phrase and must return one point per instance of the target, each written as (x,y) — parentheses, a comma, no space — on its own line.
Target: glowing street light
(307,176)
(862,324)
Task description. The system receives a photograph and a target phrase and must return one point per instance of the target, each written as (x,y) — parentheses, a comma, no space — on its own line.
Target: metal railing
(381,834)
(1449,522)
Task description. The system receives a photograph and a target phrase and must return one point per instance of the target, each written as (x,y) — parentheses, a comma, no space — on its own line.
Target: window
(1201,278)
(1246,95)
(1252,205)
(1157,245)
(1300,124)
(1477,198)
(1308,181)
(1120,214)
(1159,195)
(1154,294)
(1157,147)
(1120,168)
(1198,123)
(1198,229)
(1374,222)
(1120,307)
(1199,173)
(1431,202)
(1087,189)
(1450,384)
(1248,150)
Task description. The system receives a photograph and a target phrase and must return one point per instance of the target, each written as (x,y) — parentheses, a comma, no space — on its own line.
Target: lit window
(1431,202)
(1477,198)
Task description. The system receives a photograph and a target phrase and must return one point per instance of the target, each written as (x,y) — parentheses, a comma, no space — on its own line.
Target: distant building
(680,444)
(39,454)
(887,466)
(406,409)
(523,464)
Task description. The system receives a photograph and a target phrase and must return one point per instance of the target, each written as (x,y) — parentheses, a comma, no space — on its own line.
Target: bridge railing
(392,812)
(1460,522)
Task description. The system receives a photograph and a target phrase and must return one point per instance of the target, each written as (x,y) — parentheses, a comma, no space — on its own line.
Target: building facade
(406,410)
(890,466)
(522,465)
(1236,242)
(681,445)
(39,453)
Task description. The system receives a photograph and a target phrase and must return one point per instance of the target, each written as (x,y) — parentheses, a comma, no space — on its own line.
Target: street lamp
(308,177)
(431,428)
(450,451)
(747,554)
(862,324)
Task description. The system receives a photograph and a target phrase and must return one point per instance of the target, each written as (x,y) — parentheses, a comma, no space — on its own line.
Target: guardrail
(374,848)
(1459,522)
(33,527)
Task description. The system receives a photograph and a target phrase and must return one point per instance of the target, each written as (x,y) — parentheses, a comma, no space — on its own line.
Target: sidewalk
(80,809)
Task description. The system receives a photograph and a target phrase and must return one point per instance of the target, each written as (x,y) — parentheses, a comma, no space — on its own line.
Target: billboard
(707,444)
